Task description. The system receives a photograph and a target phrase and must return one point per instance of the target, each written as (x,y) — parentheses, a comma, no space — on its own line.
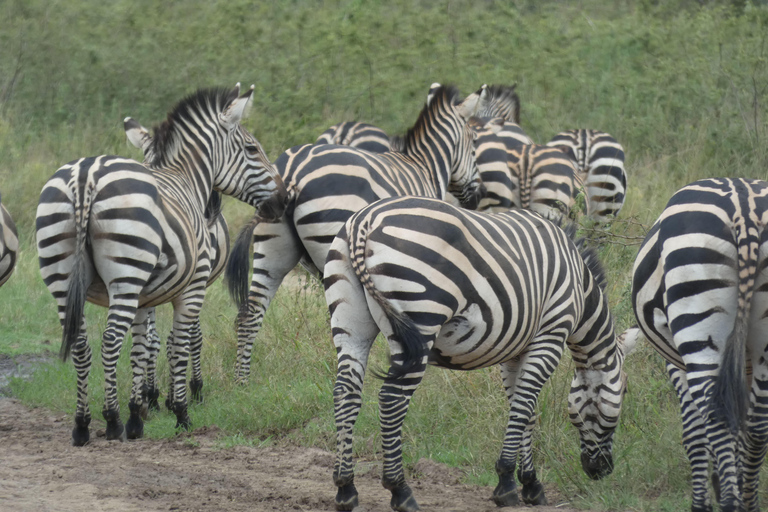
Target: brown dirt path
(41,471)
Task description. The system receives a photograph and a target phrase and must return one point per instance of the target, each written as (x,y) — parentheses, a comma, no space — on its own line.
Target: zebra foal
(700,295)
(328,183)
(9,244)
(130,237)
(467,290)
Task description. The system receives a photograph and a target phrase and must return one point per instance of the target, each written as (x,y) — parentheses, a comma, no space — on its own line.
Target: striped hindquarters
(357,135)
(543,180)
(600,163)
(9,245)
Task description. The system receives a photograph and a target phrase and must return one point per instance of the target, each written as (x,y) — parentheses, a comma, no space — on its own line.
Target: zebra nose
(598,467)
(472,199)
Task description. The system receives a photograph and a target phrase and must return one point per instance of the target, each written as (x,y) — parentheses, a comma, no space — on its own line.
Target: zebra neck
(434,156)
(196,184)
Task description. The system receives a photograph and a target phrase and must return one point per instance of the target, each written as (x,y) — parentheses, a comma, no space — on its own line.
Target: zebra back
(9,245)
(599,160)
(357,135)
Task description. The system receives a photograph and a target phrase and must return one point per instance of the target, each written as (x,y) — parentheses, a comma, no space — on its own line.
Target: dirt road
(41,471)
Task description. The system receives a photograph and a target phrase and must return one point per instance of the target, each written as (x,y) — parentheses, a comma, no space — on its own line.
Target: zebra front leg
(195,351)
(81,357)
(694,441)
(523,379)
(140,356)
(186,312)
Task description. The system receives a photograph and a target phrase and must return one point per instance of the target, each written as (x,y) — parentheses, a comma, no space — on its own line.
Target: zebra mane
(503,102)
(443,96)
(203,103)
(588,254)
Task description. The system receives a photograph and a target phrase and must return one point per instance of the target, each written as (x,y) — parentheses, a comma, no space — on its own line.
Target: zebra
(357,135)
(119,234)
(467,290)
(699,295)
(533,177)
(599,160)
(9,244)
(218,230)
(329,183)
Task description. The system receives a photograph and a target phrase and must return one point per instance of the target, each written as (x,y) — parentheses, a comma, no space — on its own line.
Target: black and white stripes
(467,290)
(129,237)
(9,245)
(700,295)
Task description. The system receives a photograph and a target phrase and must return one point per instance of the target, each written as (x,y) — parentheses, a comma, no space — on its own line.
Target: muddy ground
(41,471)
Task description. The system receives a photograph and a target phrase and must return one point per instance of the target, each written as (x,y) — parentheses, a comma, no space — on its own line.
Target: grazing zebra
(467,290)
(600,165)
(9,245)
(357,135)
(130,237)
(699,292)
(330,183)
(219,232)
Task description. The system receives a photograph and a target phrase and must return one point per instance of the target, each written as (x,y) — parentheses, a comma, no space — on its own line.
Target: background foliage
(683,85)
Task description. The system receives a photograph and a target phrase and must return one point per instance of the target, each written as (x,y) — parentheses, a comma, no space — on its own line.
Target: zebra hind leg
(533,490)
(140,355)
(195,349)
(81,356)
(150,391)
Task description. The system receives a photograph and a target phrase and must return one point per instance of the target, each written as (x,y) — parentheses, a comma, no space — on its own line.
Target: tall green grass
(680,86)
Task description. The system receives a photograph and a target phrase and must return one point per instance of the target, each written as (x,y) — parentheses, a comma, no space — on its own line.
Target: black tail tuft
(730,393)
(236,274)
(75,308)
(414,348)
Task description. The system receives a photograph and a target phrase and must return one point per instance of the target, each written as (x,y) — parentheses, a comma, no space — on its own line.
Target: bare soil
(41,471)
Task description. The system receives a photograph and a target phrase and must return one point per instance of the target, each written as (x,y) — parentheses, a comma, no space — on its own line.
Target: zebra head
(246,173)
(465,183)
(594,402)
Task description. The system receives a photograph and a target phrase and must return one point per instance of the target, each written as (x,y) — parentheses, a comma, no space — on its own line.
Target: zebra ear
(432,90)
(137,134)
(627,341)
(236,110)
(473,103)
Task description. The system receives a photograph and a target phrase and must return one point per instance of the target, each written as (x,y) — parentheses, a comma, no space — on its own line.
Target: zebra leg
(195,350)
(81,357)
(523,379)
(276,250)
(694,441)
(119,319)
(151,390)
(134,428)
(756,437)
(353,331)
(394,398)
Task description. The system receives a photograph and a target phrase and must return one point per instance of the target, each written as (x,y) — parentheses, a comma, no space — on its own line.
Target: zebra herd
(387,224)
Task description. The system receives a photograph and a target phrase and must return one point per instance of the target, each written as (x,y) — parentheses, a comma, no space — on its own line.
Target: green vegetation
(681,86)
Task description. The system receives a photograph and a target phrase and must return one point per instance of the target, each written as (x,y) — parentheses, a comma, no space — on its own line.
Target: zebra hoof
(134,429)
(346,497)
(80,435)
(152,400)
(701,508)
(115,431)
(533,494)
(403,500)
(505,493)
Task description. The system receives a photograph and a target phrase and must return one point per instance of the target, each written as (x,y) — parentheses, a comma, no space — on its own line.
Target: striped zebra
(699,292)
(9,244)
(466,290)
(329,183)
(534,177)
(218,230)
(357,135)
(120,234)
(600,164)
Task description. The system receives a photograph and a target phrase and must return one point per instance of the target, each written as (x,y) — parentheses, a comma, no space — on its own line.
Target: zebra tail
(730,394)
(403,328)
(77,290)
(236,273)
